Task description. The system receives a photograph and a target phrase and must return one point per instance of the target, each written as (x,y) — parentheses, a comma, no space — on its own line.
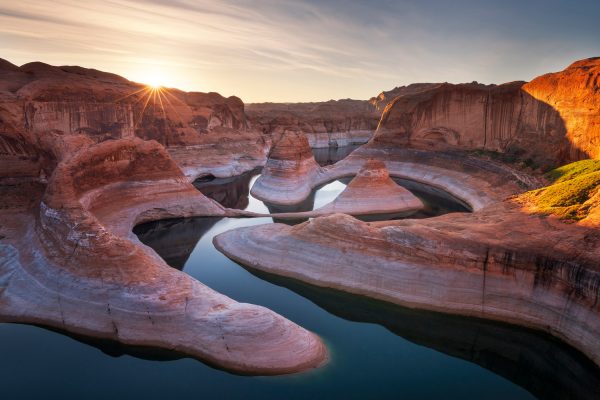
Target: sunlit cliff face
(573,94)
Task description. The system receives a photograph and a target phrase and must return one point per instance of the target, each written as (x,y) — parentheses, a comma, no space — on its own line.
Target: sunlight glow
(154,77)
(158,99)
(155,81)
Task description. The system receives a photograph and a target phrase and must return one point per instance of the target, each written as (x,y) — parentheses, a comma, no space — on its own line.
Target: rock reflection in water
(229,192)
(307,205)
(174,239)
(436,201)
(541,364)
(537,362)
(331,155)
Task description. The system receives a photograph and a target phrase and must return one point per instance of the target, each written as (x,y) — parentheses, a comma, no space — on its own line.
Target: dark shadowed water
(331,155)
(377,350)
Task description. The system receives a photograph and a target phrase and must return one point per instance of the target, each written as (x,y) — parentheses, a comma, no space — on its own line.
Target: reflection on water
(229,192)
(542,365)
(436,201)
(174,239)
(318,198)
(413,350)
(392,351)
(368,360)
(331,155)
(538,362)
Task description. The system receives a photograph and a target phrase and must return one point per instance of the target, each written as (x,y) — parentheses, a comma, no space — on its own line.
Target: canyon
(86,156)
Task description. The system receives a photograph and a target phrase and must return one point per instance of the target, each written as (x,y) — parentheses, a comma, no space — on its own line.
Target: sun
(154,80)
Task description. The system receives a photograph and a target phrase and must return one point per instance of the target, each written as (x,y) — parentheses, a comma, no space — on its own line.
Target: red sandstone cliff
(383,98)
(575,94)
(551,120)
(329,123)
(43,107)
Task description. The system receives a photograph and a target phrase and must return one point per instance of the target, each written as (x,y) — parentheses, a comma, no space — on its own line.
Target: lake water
(377,350)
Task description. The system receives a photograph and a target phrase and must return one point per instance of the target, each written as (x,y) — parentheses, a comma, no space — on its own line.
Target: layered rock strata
(82,270)
(232,154)
(288,173)
(372,191)
(326,124)
(474,181)
(549,121)
(497,262)
(41,105)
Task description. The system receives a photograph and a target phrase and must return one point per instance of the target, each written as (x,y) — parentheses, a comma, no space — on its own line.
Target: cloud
(288,49)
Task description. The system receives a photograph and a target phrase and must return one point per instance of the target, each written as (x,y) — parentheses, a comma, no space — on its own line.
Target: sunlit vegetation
(573,193)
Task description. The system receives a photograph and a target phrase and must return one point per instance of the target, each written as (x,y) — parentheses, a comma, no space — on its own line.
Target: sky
(286,50)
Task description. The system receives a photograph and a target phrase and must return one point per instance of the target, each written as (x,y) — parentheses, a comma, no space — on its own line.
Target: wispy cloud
(292,50)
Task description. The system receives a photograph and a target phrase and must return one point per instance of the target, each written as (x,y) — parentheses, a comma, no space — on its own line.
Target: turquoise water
(377,350)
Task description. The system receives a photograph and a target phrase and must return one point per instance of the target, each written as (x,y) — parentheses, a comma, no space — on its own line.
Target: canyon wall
(46,111)
(41,105)
(575,94)
(325,124)
(549,121)
(382,99)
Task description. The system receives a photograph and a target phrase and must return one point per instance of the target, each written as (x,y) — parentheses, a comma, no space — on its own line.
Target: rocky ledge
(499,262)
(325,124)
(77,267)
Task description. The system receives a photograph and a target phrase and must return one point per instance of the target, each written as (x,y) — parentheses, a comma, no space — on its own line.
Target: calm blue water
(377,350)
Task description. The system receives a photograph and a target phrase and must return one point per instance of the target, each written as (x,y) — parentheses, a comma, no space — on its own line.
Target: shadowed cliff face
(552,120)
(19,158)
(472,116)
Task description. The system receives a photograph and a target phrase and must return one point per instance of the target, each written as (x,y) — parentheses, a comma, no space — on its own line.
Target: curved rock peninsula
(475,181)
(497,262)
(82,270)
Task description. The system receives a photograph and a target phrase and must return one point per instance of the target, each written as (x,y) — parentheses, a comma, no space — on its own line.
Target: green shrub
(572,186)
(573,170)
